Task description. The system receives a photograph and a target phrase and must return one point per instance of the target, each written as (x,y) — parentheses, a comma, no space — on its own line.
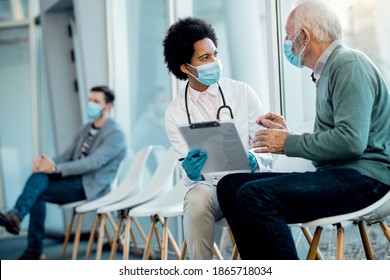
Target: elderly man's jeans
(259,207)
(41,188)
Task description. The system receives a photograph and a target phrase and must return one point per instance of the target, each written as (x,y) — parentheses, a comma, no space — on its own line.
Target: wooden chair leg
(340,243)
(126,245)
(77,237)
(365,241)
(101,236)
(107,234)
(170,239)
(309,239)
(173,244)
(143,236)
(149,240)
(114,245)
(385,229)
(159,240)
(164,251)
(136,247)
(314,244)
(91,237)
(235,252)
(217,253)
(68,233)
(183,250)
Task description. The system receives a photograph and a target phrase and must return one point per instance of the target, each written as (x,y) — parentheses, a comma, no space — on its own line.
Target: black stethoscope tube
(219,109)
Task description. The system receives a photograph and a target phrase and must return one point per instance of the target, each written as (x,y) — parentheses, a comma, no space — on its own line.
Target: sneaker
(10,221)
(32,256)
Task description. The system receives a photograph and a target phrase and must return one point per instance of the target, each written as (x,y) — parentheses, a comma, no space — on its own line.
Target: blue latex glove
(193,164)
(252,162)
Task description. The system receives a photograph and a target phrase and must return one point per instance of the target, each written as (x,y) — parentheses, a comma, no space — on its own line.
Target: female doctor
(190,51)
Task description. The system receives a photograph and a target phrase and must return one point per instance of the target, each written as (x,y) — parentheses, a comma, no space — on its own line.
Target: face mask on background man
(94,111)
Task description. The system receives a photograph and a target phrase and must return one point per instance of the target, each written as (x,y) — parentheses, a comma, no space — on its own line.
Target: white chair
(161,182)
(131,184)
(152,209)
(370,215)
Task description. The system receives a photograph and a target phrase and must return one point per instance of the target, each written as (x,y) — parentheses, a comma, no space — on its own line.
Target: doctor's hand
(252,162)
(193,164)
(272,120)
(270,141)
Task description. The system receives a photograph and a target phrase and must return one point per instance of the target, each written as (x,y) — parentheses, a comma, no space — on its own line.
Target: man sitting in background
(84,171)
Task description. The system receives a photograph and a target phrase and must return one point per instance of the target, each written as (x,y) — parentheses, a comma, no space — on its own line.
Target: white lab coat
(246,107)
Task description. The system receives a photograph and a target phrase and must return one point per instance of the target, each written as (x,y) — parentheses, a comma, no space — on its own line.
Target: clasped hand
(272,139)
(43,164)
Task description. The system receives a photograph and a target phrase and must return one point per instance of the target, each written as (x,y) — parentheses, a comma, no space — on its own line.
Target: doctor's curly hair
(179,42)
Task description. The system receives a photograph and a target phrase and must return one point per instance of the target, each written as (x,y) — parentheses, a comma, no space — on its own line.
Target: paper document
(222,143)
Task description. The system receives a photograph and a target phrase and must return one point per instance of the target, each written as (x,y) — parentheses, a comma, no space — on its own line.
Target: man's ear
(109,106)
(306,35)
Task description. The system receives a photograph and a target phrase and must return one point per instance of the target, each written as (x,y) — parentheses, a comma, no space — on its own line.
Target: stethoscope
(219,109)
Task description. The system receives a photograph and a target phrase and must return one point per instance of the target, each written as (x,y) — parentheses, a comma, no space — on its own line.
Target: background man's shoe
(32,256)
(10,221)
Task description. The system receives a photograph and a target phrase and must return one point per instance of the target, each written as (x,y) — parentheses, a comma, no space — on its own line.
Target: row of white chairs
(132,191)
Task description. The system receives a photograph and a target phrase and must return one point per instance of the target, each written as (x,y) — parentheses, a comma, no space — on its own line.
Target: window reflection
(149,81)
(242,40)
(13,10)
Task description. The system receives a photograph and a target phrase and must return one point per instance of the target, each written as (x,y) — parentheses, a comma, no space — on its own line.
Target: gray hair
(319,18)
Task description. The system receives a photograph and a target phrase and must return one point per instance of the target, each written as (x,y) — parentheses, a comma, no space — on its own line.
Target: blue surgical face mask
(295,60)
(94,111)
(209,73)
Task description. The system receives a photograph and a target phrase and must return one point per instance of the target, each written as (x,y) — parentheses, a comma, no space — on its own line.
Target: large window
(149,81)
(242,40)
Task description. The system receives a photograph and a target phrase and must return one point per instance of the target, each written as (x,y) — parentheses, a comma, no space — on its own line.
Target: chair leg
(143,236)
(309,239)
(164,251)
(164,222)
(77,237)
(126,245)
(314,244)
(91,237)
(217,252)
(235,252)
(366,241)
(67,235)
(159,240)
(136,247)
(107,233)
(183,250)
(385,229)
(340,243)
(149,240)
(100,238)
(116,238)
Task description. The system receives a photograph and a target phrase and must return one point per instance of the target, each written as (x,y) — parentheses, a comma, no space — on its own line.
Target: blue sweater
(352,125)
